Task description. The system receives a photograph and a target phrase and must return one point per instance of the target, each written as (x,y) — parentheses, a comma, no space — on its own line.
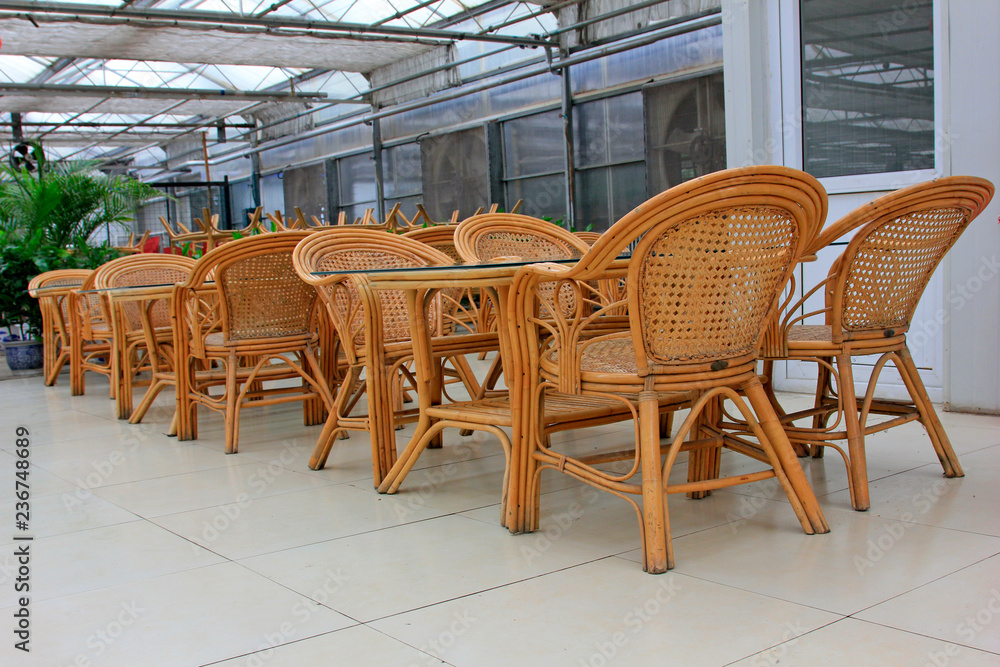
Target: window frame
(791,108)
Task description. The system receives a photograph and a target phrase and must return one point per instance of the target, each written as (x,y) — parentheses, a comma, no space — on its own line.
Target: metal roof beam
(32,11)
(160,93)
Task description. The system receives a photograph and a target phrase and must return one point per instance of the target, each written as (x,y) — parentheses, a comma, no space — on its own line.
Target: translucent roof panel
(20,69)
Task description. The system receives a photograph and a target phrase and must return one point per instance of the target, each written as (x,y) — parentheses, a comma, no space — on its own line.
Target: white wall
(955,336)
(972,272)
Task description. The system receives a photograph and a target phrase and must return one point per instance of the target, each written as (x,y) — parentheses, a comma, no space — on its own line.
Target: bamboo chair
(467,305)
(132,247)
(143,334)
(374,330)
(590,238)
(90,337)
(56,320)
(481,239)
(870,295)
(494,237)
(712,258)
(257,311)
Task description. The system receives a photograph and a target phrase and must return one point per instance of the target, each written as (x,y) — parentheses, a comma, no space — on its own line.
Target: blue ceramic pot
(23,354)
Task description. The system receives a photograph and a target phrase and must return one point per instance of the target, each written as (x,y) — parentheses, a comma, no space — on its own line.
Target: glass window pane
(628,185)
(608,131)
(685,131)
(401,170)
(543,196)
(533,145)
(455,174)
(357,179)
(592,199)
(867,86)
(306,188)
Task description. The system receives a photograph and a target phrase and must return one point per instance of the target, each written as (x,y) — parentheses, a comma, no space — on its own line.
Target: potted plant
(48,215)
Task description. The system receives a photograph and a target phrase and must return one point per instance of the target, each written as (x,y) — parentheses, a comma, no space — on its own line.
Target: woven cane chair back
(889,261)
(259,293)
(439,237)
(59,278)
(701,288)
(709,263)
(491,236)
(590,238)
(150,269)
(353,249)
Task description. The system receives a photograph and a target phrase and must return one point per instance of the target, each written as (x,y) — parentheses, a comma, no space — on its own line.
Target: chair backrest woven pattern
(887,271)
(395,325)
(264,297)
(706,284)
(520,243)
(149,269)
(439,237)
(352,249)
(61,278)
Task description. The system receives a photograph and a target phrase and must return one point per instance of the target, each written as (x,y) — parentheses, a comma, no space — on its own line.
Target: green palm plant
(46,219)
(67,202)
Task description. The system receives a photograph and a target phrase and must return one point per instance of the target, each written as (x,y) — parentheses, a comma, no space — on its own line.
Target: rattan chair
(374,330)
(142,333)
(467,305)
(870,295)
(242,309)
(52,290)
(711,258)
(90,337)
(590,238)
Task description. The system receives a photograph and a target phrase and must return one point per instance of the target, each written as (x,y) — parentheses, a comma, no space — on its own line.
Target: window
(455,173)
(610,160)
(401,177)
(306,188)
(358,190)
(534,164)
(685,131)
(867,86)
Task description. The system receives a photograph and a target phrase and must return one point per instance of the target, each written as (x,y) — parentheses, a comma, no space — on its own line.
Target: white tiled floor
(152,552)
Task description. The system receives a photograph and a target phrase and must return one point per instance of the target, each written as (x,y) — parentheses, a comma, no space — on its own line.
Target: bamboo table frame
(419,285)
(146,295)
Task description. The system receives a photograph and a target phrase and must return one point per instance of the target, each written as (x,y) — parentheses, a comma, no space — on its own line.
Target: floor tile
(357,645)
(253,526)
(207,488)
(853,643)
(962,608)
(187,618)
(602,613)
(863,560)
(420,564)
(91,559)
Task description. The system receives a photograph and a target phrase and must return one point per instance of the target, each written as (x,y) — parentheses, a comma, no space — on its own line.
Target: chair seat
(560,409)
(216,342)
(817,339)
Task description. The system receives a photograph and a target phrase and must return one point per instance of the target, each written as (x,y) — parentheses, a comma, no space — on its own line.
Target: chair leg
(658,551)
(332,426)
(784,461)
(823,391)
(232,405)
(928,416)
(858,468)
